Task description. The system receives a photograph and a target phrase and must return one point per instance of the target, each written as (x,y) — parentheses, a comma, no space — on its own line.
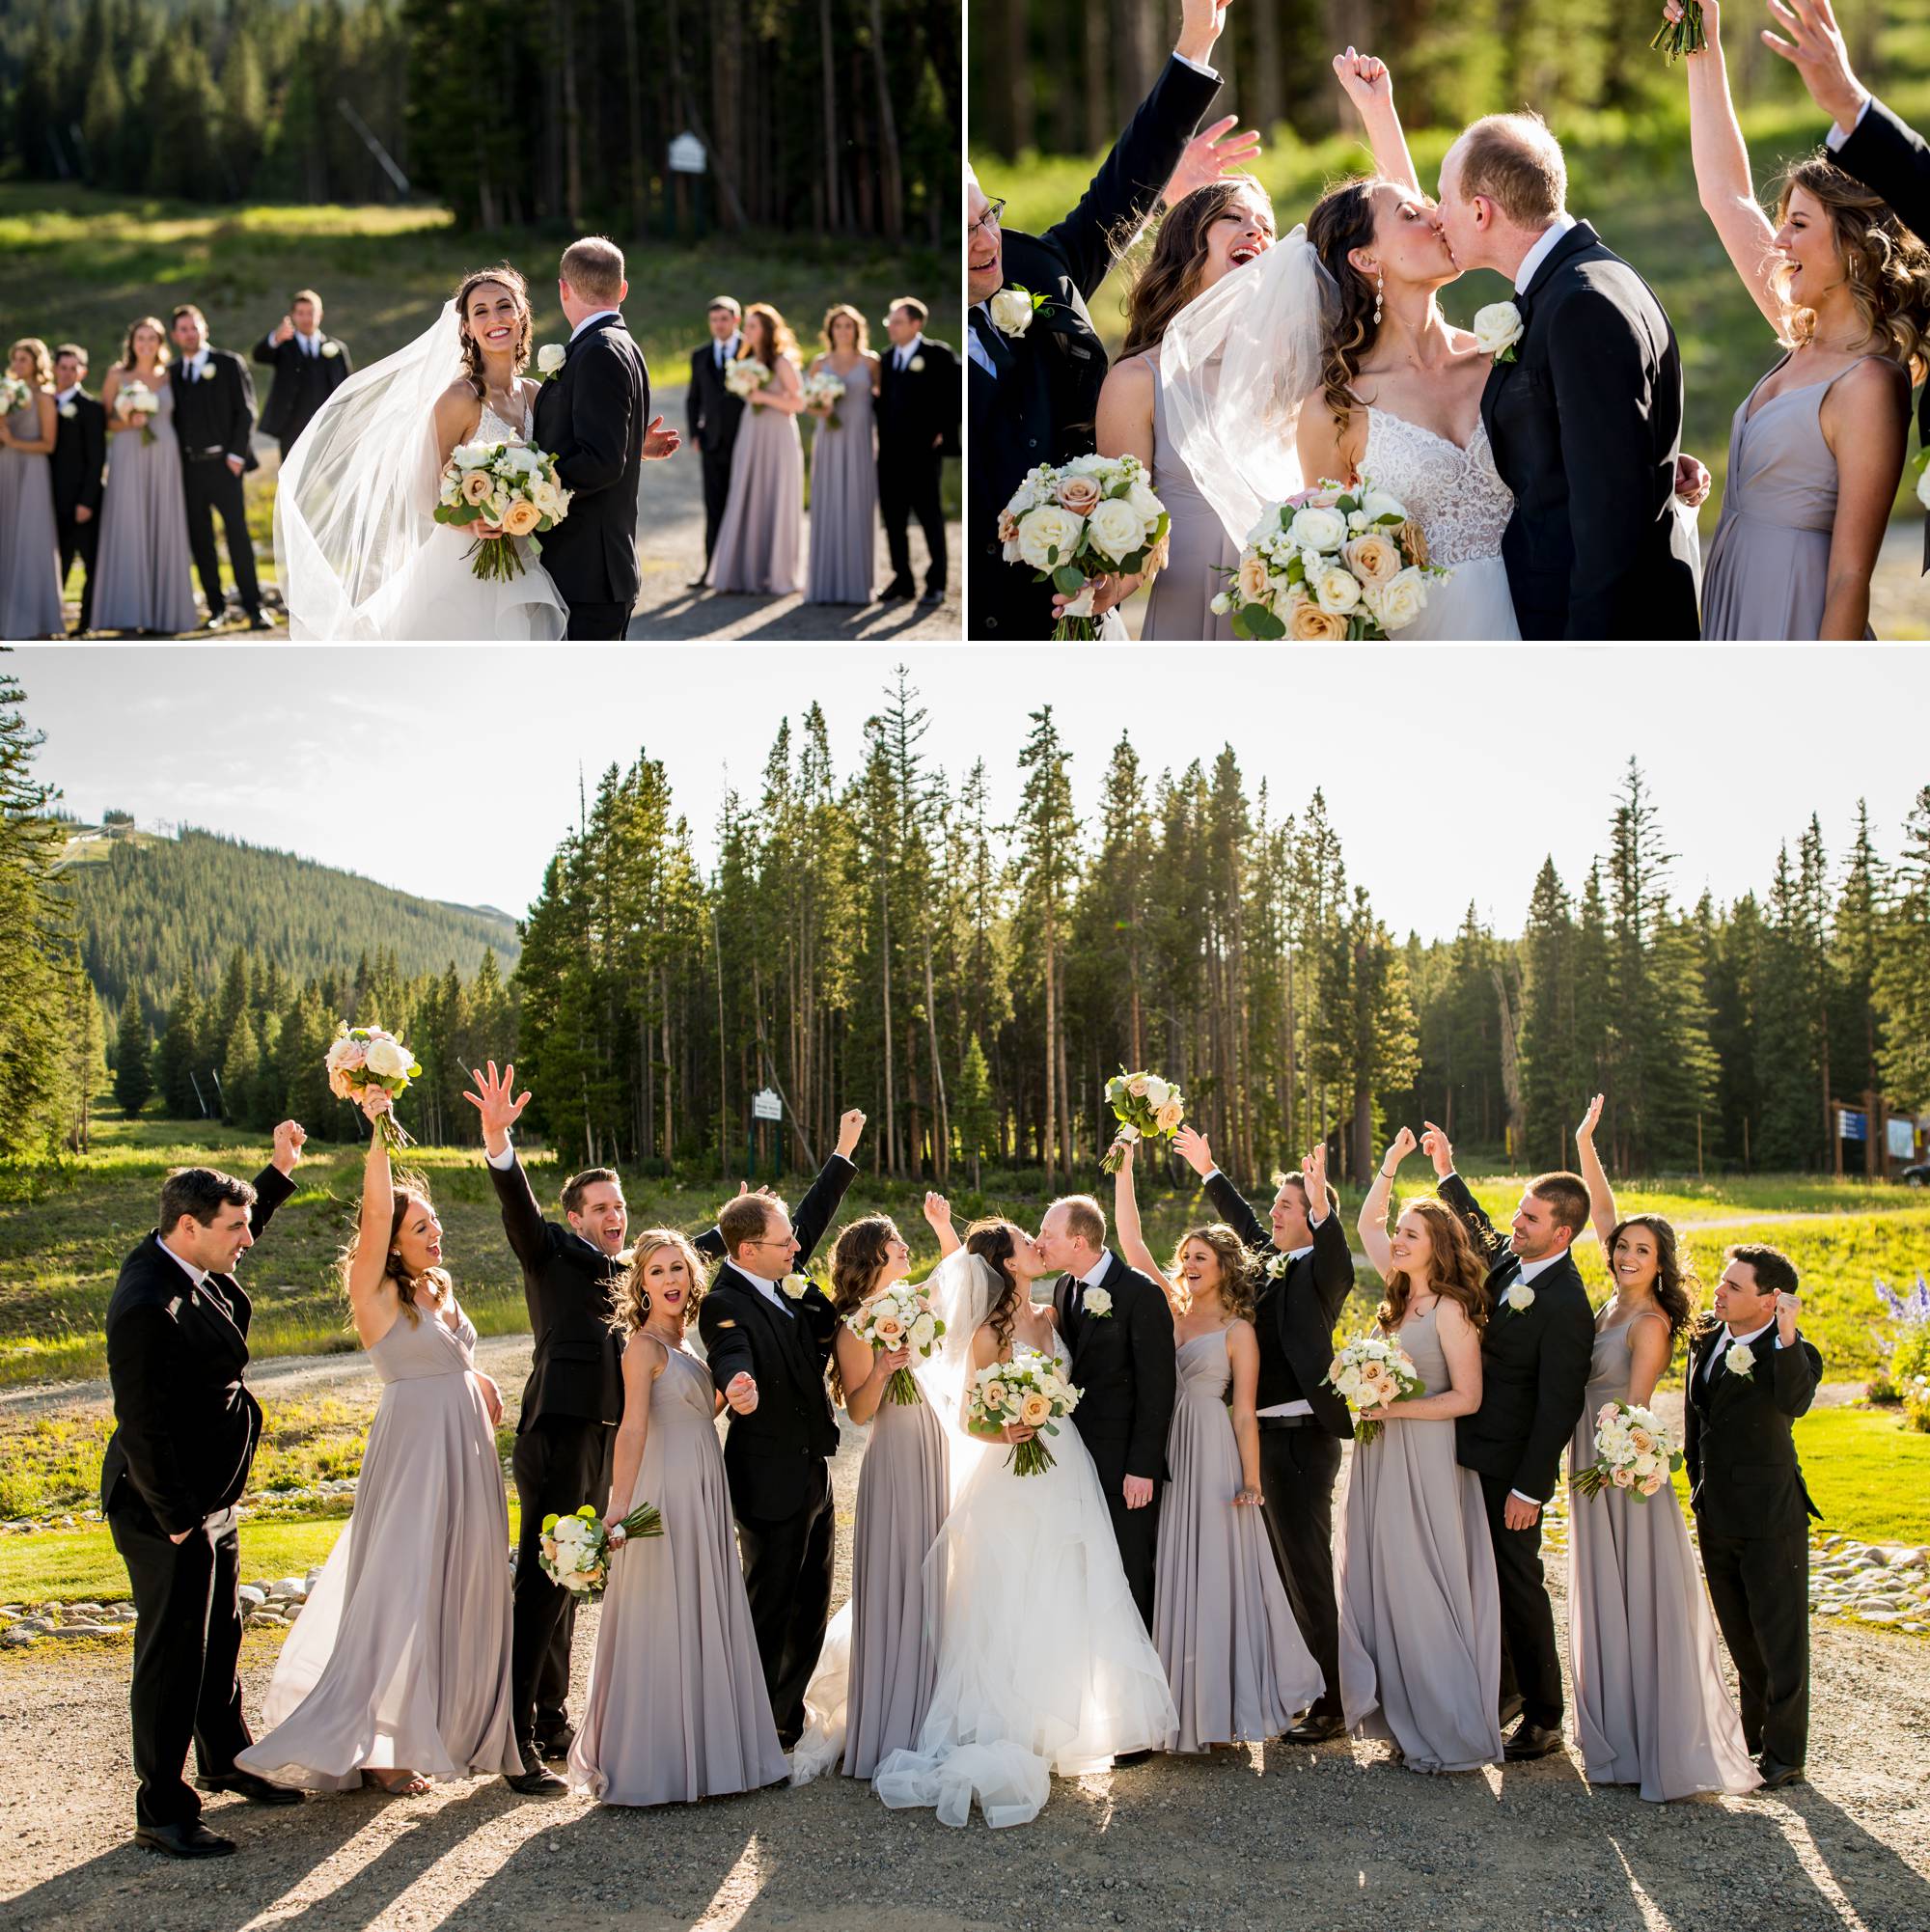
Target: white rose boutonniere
(915,364)
(70,410)
(1012,309)
(1520,1298)
(331,350)
(795,1286)
(1740,1358)
(1098,1303)
(1497,329)
(1277,1266)
(550,359)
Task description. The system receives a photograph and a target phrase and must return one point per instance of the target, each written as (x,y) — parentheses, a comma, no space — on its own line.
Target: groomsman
(567,1430)
(714,415)
(1750,1374)
(80,457)
(1034,381)
(1536,1354)
(308,366)
(1868,139)
(1306,1275)
(767,1341)
(215,422)
(183,1442)
(917,429)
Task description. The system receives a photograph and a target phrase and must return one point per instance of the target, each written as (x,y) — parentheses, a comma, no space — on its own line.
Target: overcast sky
(452,771)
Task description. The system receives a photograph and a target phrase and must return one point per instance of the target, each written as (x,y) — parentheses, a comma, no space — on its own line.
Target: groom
(593,417)
(1584,410)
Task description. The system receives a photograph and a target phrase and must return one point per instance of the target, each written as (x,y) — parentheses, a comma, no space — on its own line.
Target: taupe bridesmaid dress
(1197,542)
(1420,1622)
(1650,1708)
(676,1708)
(1239,1668)
(400,1661)
(844,498)
(141,580)
(30,579)
(762,532)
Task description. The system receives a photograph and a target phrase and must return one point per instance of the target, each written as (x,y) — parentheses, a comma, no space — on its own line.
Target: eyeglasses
(989,220)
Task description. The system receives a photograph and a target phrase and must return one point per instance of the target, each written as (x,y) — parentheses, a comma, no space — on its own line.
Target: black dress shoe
(183,1841)
(1316,1727)
(1130,1758)
(702,583)
(1775,1773)
(1529,1742)
(899,587)
(536,1783)
(257,1790)
(218,622)
(259,621)
(556,1747)
(934,593)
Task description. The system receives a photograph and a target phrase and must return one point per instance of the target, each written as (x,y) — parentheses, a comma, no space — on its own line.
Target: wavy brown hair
(857,1257)
(1170,276)
(1343,220)
(163,356)
(1886,265)
(43,363)
(1239,1266)
(995,1241)
(631,1300)
(1457,1272)
(434,1283)
(1674,1272)
(472,349)
(855,317)
(775,332)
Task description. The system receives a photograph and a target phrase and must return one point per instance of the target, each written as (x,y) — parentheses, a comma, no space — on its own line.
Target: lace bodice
(491,427)
(1455,495)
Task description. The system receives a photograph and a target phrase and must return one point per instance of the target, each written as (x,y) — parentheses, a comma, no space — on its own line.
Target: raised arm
(1132,1236)
(644,1361)
(1489,1241)
(1374,1243)
(1234,1208)
(1369,86)
(938,1218)
(368,1264)
(813,1215)
(1601,1196)
(495,1099)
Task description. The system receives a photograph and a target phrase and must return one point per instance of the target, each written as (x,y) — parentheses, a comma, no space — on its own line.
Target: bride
(358,549)
(1043,1664)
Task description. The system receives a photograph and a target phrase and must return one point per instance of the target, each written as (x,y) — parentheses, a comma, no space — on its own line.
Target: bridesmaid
(30,576)
(1211,231)
(146,583)
(1420,1624)
(763,516)
(1239,1668)
(844,469)
(1649,1702)
(903,1493)
(398,1670)
(676,1708)
(1817,447)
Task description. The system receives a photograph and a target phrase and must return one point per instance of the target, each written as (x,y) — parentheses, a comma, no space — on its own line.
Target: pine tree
(183,1097)
(1548,1040)
(133,1077)
(1903,967)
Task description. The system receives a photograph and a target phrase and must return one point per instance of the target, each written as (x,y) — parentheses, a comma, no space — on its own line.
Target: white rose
(331,350)
(1335,587)
(1118,528)
(388,1059)
(1143,500)
(923,1331)
(70,410)
(1740,1359)
(1099,1302)
(1377,504)
(1265,530)
(550,357)
(795,1286)
(1316,528)
(1047,536)
(1093,465)
(1401,600)
(1157,1093)
(915,364)
(1520,1297)
(1011,312)
(1222,603)
(1498,328)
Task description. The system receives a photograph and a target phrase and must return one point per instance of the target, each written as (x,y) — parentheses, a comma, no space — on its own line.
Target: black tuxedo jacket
(711,411)
(80,455)
(1125,1366)
(1043,409)
(918,408)
(1535,1362)
(1738,1442)
(217,412)
(578,1369)
(1585,422)
(591,417)
(1894,160)
(1295,1313)
(302,384)
(185,1425)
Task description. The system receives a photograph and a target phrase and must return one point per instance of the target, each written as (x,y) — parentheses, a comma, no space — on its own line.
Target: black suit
(774,1458)
(917,429)
(1040,408)
(566,1436)
(183,1442)
(1294,1316)
(712,414)
(1752,1515)
(1125,1366)
(1534,1380)
(1586,421)
(215,419)
(1894,160)
(80,456)
(302,384)
(591,417)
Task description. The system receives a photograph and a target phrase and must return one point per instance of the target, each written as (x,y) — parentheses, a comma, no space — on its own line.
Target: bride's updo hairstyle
(472,349)
(857,1259)
(1170,278)
(1887,267)
(995,1241)
(1343,220)
(766,335)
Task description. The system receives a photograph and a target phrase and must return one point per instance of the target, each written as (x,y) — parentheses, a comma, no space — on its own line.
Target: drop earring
(1380,293)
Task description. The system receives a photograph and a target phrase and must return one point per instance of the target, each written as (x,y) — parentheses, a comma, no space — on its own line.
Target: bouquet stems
(496,556)
(1032,1458)
(393,1132)
(901,1388)
(644,1520)
(1076,631)
(1674,39)
(146,432)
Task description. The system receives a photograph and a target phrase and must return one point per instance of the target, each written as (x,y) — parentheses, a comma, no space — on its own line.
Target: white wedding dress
(1044,1663)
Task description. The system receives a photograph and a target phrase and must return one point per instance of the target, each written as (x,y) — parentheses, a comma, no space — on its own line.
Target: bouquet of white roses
(1370,1371)
(575,1549)
(1144,1104)
(510,485)
(745,375)
(1338,562)
(13,393)
(1634,1451)
(823,392)
(1028,1391)
(900,1317)
(136,398)
(365,1057)
(1091,517)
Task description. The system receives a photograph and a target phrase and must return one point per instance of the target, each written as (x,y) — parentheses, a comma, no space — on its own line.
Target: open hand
(495,1099)
(1437,1148)
(1193,1148)
(1201,23)
(659,442)
(1313,1177)
(1585,1132)
(741,1394)
(1212,153)
(1366,80)
(1815,49)
(937,1212)
(291,1136)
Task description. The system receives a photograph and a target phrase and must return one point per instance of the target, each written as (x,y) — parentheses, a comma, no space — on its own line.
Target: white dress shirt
(1096,1273)
(311,344)
(1833,139)
(903,353)
(1198,66)
(63,396)
(195,366)
(726,351)
(1551,236)
(590,321)
(1736,1342)
(974,348)
(196,1275)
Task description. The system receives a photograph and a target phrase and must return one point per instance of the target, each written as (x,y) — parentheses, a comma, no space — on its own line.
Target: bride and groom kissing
(360,552)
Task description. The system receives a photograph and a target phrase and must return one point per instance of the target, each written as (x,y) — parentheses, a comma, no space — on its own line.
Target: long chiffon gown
(1421,1621)
(762,532)
(676,1708)
(143,579)
(1197,545)
(1649,1703)
(844,498)
(402,1658)
(1239,1668)
(30,578)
